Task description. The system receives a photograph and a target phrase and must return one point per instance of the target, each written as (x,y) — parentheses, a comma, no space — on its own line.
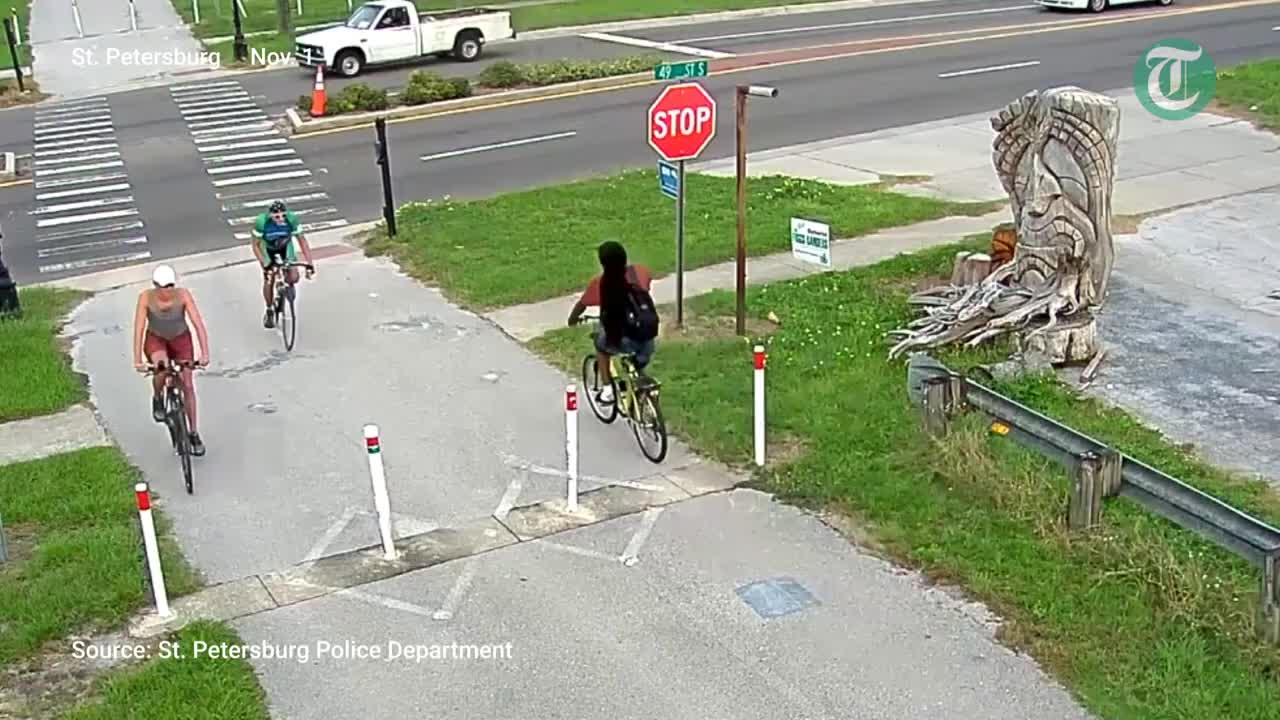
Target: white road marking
(250,155)
(232,136)
(81,205)
(647,521)
(385,602)
(556,472)
(201,85)
(96,262)
(78,133)
(197,119)
(83,125)
(103,114)
(91,245)
(460,587)
(86,217)
(993,68)
(317,550)
(253,166)
(290,200)
(89,231)
(668,47)
(80,168)
(78,158)
(262,178)
(234,98)
(856,23)
(306,227)
(308,185)
(263,125)
(219,94)
(63,182)
(242,145)
(81,148)
(249,219)
(82,191)
(584,552)
(509,498)
(41,147)
(239,122)
(497,146)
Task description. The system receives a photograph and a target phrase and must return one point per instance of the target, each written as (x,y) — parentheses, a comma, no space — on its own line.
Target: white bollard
(571,443)
(759,365)
(195,10)
(153,549)
(381,502)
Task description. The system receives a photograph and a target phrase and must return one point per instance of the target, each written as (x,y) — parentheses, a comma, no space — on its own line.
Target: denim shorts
(643,351)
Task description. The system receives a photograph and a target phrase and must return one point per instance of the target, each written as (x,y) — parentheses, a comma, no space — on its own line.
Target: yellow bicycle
(635,396)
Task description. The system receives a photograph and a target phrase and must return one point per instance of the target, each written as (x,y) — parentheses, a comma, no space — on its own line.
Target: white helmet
(164,275)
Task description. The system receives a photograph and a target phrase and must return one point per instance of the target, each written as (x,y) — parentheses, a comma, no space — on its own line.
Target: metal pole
(133,16)
(740,109)
(384,159)
(195,10)
(680,249)
(4,549)
(13,53)
(17,26)
(238,47)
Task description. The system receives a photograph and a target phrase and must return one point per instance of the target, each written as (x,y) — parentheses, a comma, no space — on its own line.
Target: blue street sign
(668,179)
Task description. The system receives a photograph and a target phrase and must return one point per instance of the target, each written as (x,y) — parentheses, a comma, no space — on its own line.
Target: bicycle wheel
(288,320)
(591,386)
(183,441)
(648,424)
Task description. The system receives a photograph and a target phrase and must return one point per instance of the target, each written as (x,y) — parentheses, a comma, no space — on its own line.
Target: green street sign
(676,71)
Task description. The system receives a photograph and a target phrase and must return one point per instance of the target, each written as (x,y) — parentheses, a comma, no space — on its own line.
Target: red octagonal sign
(682,121)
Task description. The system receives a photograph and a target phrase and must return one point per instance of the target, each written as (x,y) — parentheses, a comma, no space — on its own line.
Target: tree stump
(970,268)
(1067,343)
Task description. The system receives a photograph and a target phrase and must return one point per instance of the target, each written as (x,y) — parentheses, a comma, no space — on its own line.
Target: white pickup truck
(390,31)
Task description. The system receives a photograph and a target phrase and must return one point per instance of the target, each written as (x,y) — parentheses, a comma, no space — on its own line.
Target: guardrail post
(1084,506)
(956,394)
(1112,467)
(1269,603)
(935,405)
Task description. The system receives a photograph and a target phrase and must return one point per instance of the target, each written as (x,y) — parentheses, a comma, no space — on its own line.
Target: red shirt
(638,275)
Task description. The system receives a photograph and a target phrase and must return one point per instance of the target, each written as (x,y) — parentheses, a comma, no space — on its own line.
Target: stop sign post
(681,124)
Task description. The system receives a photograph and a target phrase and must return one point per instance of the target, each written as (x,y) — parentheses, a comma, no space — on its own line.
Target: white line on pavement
(993,68)
(385,602)
(251,155)
(86,217)
(249,144)
(263,125)
(199,117)
(460,587)
(63,182)
(497,146)
(79,133)
(514,461)
(201,85)
(291,200)
(253,166)
(647,522)
(231,134)
(84,232)
(43,147)
(82,191)
(573,550)
(306,227)
(217,99)
(202,126)
(81,205)
(96,125)
(80,148)
(509,498)
(262,178)
(249,219)
(96,262)
(79,168)
(78,158)
(57,113)
(331,534)
(853,24)
(669,47)
(255,194)
(91,245)
(103,114)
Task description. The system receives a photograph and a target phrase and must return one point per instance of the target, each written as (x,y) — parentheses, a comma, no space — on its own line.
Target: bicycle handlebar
(289,264)
(152,368)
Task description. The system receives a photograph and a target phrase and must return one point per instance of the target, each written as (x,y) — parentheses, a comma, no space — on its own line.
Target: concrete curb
(313,579)
(300,125)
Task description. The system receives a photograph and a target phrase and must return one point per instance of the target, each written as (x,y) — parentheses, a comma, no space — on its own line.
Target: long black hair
(613,290)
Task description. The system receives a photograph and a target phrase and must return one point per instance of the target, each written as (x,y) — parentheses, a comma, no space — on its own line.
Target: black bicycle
(635,396)
(175,412)
(285,296)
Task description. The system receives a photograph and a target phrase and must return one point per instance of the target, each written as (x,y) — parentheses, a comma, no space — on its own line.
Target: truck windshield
(362,19)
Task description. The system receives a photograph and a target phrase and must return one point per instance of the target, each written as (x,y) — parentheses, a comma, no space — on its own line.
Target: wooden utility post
(284,22)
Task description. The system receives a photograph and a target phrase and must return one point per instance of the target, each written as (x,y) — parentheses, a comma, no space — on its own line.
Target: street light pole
(740,107)
(239,47)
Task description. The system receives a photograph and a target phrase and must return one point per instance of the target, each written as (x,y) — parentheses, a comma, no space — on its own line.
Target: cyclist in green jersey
(273,235)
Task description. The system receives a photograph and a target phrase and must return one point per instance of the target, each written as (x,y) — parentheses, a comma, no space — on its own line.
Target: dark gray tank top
(169,323)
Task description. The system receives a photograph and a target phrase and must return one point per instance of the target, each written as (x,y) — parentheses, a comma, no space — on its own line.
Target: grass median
(37,377)
(1140,619)
(538,244)
(1253,89)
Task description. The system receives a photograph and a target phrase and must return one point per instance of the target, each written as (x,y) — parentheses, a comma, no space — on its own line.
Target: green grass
(183,687)
(1140,619)
(72,525)
(23,9)
(537,244)
(37,377)
(216,15)
(1255,84)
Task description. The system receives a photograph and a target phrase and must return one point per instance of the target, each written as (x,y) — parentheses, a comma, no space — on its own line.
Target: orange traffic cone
(318,95)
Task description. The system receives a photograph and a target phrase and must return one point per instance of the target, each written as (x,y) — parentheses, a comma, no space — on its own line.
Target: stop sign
(682,121)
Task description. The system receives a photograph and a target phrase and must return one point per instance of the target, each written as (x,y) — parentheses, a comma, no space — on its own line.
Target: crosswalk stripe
(42,147)
(249,219)
(289,200)
(207,96)
(63,182)
(247,126)
(80,148)
(86,217)
(85,125)
(252,166)
(81,205)
(201,85)
(96,262)
(249,144)
(78,158)
(203,126)
(309,185)
(250,155)
(79,168)
(103,114)
(82,191)
(233,134)
(78,133)
(90,245)
(216,99)
(50,115)
(203,115)
(83,232)
(262,178)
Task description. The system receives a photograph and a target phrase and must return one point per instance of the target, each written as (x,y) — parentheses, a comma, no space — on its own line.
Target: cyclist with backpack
(628,317)
(273,235)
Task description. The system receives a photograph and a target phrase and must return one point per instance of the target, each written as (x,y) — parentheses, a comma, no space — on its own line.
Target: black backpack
(642,315)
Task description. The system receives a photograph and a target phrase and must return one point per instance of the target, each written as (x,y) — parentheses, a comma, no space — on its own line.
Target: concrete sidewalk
(1161,165)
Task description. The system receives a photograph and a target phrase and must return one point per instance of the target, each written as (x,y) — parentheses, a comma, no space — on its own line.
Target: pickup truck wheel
(468,46)
(349,63)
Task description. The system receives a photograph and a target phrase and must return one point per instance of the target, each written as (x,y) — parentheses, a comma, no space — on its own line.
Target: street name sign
(668,179)
(676,71)
(682,122)
(811,241)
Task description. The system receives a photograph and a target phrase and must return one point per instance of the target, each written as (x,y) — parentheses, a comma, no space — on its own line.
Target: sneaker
(157,408)
(197,445)
(269,319)
(605,395)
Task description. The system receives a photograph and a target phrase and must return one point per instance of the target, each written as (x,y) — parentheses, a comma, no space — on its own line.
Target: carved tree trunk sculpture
(1055,154)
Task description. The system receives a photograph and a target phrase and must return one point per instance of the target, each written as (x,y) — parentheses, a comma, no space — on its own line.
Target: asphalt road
(818,100)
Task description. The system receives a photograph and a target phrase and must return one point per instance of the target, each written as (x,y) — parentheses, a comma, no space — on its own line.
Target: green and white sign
(811,241)
(677,71)
(1175,79)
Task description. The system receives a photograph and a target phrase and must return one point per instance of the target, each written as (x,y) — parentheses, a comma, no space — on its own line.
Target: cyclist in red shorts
(161,330)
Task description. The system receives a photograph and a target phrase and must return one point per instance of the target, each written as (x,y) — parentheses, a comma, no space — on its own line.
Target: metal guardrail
(1101,471)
